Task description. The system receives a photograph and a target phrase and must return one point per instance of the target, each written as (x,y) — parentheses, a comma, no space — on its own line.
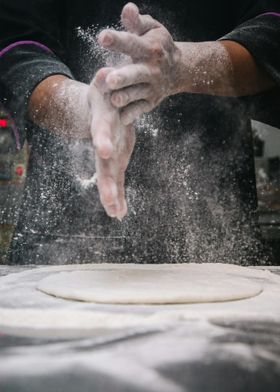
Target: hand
(113,144)
(141,86)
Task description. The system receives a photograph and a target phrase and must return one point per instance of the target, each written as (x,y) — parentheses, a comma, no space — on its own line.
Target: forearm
(60,105)
(219,68)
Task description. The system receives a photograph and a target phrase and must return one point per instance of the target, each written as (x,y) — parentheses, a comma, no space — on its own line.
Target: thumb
(136,23)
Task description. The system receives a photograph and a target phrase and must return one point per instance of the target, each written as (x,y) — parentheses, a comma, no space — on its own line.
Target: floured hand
(141,86)
(113,144)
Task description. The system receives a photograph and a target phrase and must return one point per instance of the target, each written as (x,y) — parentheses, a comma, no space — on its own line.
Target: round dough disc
(153,284)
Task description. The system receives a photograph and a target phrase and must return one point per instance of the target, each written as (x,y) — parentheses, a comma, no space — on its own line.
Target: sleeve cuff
(22,68)
(261,37)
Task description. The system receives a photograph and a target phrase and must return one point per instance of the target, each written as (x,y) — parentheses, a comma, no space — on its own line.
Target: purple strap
(18,43)
(271,14)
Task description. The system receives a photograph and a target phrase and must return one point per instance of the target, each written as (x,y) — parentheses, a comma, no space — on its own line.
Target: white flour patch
(22,306)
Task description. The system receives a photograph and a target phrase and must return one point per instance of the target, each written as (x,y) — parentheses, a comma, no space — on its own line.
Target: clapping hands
(120,95)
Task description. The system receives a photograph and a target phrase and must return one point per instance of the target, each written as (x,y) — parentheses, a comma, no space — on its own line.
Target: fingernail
(111,211)
(126,120)
(115,81)
(120,99)
(105,38)
(114,211)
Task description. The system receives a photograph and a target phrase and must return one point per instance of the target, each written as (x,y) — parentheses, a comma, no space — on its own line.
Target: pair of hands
(118,96)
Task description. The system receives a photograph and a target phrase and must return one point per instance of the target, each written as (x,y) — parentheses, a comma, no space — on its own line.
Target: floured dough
(153,284)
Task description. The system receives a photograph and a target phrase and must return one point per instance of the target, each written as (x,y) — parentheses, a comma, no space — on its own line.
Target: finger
(130,139)
(121,199)
(102,137)
(130,16)
(108,194)
(127,43)
(145,24)
(134,111)
(128,146)
(107,187)
(101,125)
(122,98)
(129,75)
(110,182)
(99,80)
(130,143)
(136,23)
(104,116)
(122,211)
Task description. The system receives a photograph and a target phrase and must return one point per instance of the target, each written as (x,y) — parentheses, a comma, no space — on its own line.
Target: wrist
(205,68)
(184,68)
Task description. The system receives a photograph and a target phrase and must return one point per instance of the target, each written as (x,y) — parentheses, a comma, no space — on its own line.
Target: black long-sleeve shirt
(190,183)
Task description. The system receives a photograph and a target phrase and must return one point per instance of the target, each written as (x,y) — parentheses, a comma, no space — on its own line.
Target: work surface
(206,351)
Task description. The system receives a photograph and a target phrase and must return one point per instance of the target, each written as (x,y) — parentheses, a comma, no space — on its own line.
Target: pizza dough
(153,284)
